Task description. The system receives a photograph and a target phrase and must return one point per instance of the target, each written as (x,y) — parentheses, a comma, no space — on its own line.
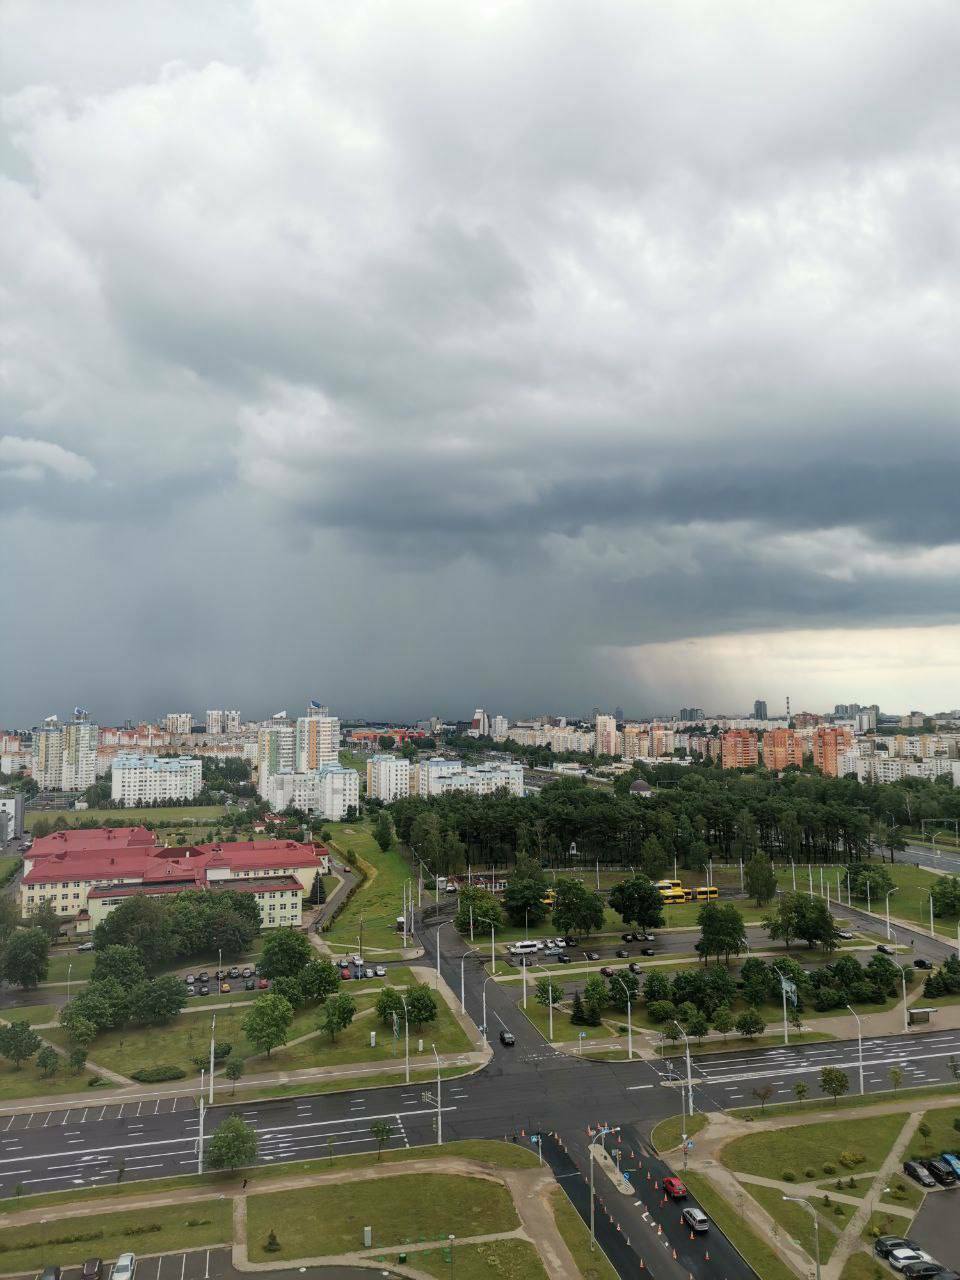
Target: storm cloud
(424,355)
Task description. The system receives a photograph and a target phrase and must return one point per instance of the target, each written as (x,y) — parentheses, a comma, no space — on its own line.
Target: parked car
(629,937)
(647,951)
(234,971)
(920,963)
(898,1258)
(224,988)
(369,973)
(883,1245)
(885,950)
(569,941)
(346,973)
(507,1038)
(249,984)
(564,959)
(941,1171)
(695,1219)
(380,971)
(923,1270)
(552,953)
(592,955)
(92,1269)
(918,1173)
(203,976)
(675,1188)
(622,953)
(950,1159)
(190,980)
(248,972)
(646,937)
(203,989)
(50,1273)
(846,934)
(191,991)
(607,971)
(263,984)
(220,975)
(634,967)
(85,946)
(125,1266)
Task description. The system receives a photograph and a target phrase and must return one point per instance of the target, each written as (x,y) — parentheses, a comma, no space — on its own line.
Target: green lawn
(81,966)
(851,1103)
(29,1083)
(505,1259)
(563,1028)
(759,1253)
(746,1042)
(592,1263)
(32,1013)
(10,864)
(910,902)
(341,1084)
(859,1189)
(794,1221)
(903,1192)
(859,1266)
(379,900)
(768,1154)
(107,1234)
(131,817)
(944,1137)
(403,1210)
(885,1224)
(667,1134)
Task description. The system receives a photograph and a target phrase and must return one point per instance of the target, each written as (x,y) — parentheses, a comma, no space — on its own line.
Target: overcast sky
(420,356)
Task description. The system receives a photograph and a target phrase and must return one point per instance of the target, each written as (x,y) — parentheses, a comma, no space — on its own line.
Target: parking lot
(216,1264)
(138,1108)
(936,1228)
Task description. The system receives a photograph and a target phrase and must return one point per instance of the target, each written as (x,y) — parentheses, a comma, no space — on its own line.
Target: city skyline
(521,354)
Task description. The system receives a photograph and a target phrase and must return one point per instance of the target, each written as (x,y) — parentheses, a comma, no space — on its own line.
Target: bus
(673,895)
(549,898)
(667,884)
(706,893)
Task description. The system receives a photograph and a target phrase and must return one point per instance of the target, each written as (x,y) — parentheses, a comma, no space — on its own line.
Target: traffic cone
(523,1133)
(642,1265)
(706,1256)
(659,1229)
(691,1235)
(674,1255)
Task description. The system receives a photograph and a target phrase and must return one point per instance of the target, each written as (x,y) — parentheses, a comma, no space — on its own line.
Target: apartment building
(388,778)
(738,749)
(46,760)
(782,747)
(330,791)
(178,721)
(64,756)
(317,741)
(275,751)
(479,780)
(11,815)
(142,780)
(606,740)
(499,729)
(232,722)
(829,746)
(214,722)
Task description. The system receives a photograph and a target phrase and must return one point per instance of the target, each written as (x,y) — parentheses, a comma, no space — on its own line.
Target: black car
(569,941)
(203,976)
(884,1245)
(563,958)
(507,1038)
(50,1273)
(592,955)
(918,1173)
(234,971)
(623,953)
(920,963)
(941,1171)
(250,984)
(647,951)
(922,1270)
(204,989)
(92,1269)
(248,972)
(634,967)
(629,937)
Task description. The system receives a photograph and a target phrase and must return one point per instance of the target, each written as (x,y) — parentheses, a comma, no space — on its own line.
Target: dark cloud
(426,355)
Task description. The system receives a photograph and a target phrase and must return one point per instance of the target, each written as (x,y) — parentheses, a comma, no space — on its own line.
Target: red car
(675,1188)
(263,984)
(346,974)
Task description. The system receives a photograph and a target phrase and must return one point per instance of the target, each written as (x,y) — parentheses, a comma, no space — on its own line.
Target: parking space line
(10,1122)
(47,1121)
(183,1265)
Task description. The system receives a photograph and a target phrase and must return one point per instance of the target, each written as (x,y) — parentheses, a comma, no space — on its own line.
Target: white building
(231,722)
(499,729)
(11,814)
(429,771)
(479,780)
(178,721)
(143,780)
(480,725)
(46,763)
(215,722)
(275,751)
(64,756)
(328,792)
(388,777)
(317,741)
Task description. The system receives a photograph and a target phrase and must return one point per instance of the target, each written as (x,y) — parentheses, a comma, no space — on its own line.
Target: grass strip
(592,1264)
(773,1152)
(667,1134)
(846,1104)
(505,1259)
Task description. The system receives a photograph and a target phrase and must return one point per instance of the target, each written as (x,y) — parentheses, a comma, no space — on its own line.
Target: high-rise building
(388,778)
(275,751)
(231,721)
(178,721)
(79,745)
(695,714)
(480,725)
(317,741)
(605,742)
(618,713)
(829,745)
(782,747)
(214,722)
(329,791)
(499,729)
(138,780)
(738,749)
(760,709)
(46,765)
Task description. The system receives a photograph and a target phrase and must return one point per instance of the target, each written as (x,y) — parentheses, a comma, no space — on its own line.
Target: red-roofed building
(72,877)
(86,838)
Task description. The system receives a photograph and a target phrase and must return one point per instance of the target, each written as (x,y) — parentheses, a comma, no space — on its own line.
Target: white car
(899,1258)
(85,946)
(845,934)
(356,960)
(380,971)
(124,1267)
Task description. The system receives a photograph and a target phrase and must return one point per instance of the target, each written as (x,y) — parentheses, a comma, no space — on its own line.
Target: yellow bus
(549,898)
(667,884)
(672,895)
(706,893)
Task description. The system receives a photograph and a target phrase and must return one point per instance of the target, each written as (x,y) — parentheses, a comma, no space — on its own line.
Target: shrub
(829,1168)
(809,1173)
(787,1175)
(851,1158)
(839,1184)
(852,1182)
(838,1210)
(97,1082)
(197,1222)
(143,1230)
(153,1075)
(273,1244)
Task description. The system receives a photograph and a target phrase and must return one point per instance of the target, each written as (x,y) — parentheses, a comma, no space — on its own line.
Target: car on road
(885,950)
(884,1245)
(124,1267)
(507,1038)
(918,1173)
(950,1159)
(634,967)
(622,953)
(249,984)
(607,971)
(220,974)
(85,946)
(920,963)
(646,937)
(846,934)
(380,971)
(92,1269)
(564,959)
(898,1258)
(923,1270)
(570,941)
(696,1219)
(647,951)
(675,1188)
(592,955)
(941,1171)
(630,937)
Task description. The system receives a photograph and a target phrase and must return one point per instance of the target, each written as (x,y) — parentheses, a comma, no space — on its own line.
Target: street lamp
(859,1044)
(629,1019)
(463,1003)
(903,979)
(70,966)
(406,1035)
(439,1107)
(450,1239)
(483,995)
(686,1041)
(599,1138)
(805,1204)
(889,891)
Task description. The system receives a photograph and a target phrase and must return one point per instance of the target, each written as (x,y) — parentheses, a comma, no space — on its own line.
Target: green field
(81,966)
(592,1263)
(795,1221)
(504,1259)
(379,901)
(944,1137)
(910,902)
(668,1133)
(108,1234)
(760,1254)
(187,814)
(859,1266)
(29,1083)
(10,864)
(795,1148)
(563,1028)
(403,1210)
(32,1013)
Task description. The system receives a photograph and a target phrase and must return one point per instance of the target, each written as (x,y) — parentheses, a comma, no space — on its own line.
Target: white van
(525,948)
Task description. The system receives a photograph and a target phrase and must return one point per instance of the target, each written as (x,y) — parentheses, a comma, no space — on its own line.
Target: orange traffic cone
(706,1256)
(674,1255)
(691,1235)
(659,1229)
(642,1265)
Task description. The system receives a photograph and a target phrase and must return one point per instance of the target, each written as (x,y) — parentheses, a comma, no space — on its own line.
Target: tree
(722,931)
(143,923)
(578,1014)
(119,962)
(595,997)
(653,858)
(26,958)
(267,1022)
(382,1131)
(234,1144)
(285,953)
(896,1077)
(656,986)
(289,988)
(576,909)
(479,905)
(383,831)
(77,1058)
(834,1082)
(337,1014)
(750,1024)
(760,878)
(318,891)
(389,1006)
(18,1041)
(547,990)
(620,984)
(234,1071)
(723,1021)
(319,979)
(525,892)
(698,1026)
(874,874)
(637,902)
(800,1090)
(924,1131)
(156,1001)
(45,917)
(763,1093)
(422,1004)
(48,1060)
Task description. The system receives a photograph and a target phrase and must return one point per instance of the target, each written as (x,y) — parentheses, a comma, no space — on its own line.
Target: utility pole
(593,1200)
(859,1045)
(406,1038)
(213,1045)
(439,1107)
(805,1204)
(200,1130)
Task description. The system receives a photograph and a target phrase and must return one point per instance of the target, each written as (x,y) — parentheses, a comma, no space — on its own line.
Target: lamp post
(793,874)
(463,1003)
(450,1239)
(213,1046)
(859,1045)
(406,1037)
(436,940)
(483,995)
(493,953)
(629,1021)
(686,1041)
(805,1204)
(526,924)
(439,1107)
(70,966)
(599,1138)
(903,979)
(889,891)
(200,1129)
(931,914)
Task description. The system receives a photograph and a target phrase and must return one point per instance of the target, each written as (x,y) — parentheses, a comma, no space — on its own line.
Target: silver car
(124,1267)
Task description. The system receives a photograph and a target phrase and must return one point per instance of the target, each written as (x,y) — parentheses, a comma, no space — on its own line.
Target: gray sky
(532,355)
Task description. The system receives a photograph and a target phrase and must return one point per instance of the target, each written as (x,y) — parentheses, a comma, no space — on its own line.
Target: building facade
(388,778)
(605,741)
(178,721)
(829,745)
(738,749)
(317,742)
(330,791)
(782,747)
(142,780)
